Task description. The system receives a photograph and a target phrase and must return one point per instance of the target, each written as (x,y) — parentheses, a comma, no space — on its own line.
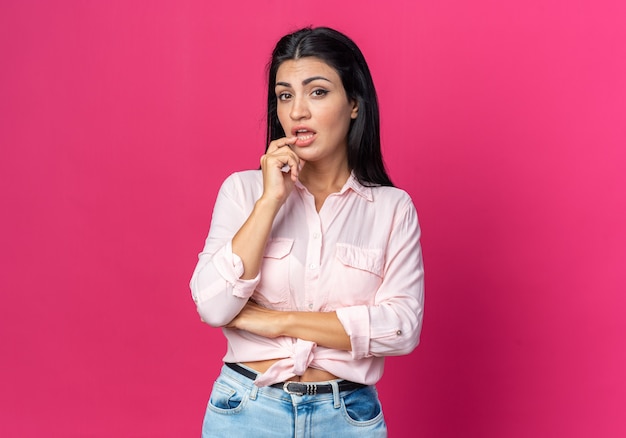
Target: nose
(299,109)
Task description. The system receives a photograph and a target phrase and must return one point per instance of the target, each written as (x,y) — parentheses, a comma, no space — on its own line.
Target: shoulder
(391,196)
(243,184)
(397,203)
(244,178)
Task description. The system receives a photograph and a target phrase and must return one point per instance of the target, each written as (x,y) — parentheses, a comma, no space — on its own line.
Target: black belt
(299,388)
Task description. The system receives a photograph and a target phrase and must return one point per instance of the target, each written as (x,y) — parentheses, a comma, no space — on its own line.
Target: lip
(305,135)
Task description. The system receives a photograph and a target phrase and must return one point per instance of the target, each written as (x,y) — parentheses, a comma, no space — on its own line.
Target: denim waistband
(301,388)
(279,393)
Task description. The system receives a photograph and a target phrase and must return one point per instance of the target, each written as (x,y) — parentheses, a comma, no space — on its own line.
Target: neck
(329,179)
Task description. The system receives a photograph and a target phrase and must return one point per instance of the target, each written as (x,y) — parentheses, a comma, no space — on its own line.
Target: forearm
(323,328)
(249,242)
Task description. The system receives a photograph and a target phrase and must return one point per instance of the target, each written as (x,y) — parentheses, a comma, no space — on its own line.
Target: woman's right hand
(280,166)
(249,242)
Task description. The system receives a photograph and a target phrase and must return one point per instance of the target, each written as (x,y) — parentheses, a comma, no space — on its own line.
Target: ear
(355,110)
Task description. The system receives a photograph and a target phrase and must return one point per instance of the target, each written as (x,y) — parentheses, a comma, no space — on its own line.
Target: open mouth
(305,136)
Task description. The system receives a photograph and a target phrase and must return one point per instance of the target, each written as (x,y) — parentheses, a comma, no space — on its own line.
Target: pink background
(505,121)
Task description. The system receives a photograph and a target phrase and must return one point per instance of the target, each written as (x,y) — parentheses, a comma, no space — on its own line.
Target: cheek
(341,122)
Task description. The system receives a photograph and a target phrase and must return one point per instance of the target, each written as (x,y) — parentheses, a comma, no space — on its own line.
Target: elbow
(411,346)
(404,331)
(217,299)
(402,342)
(413,333)
(211,310)
(401,345)
(410,324)
(406,346)
(217,310)
(211,317)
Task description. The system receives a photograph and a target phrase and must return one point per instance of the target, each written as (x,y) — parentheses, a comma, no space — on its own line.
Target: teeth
(304,134)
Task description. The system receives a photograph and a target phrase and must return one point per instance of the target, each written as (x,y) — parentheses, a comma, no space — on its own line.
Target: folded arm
(390,327)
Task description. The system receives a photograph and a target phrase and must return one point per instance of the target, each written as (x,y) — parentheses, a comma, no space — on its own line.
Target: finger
(291,162)
(281,142)
(288,141)
(285,155)
(286,161)
(296,173)
(295,169)
(291,165)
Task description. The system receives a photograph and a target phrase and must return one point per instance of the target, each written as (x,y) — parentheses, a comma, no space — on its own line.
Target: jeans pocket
(227,399)
(362,407)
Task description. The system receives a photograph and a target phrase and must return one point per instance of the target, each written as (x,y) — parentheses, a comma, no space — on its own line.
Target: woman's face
(313,106)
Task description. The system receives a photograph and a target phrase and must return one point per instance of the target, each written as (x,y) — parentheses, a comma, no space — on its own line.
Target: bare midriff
(310,375)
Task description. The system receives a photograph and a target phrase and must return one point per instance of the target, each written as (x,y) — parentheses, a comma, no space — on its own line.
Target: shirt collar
(353,184)
(357,187)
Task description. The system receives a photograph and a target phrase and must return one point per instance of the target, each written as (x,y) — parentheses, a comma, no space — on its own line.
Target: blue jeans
(237,408)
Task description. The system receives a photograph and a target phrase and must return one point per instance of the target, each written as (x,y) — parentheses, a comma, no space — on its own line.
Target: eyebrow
(304,82)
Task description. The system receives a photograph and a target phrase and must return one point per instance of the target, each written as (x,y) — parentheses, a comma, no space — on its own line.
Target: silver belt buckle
(288,391)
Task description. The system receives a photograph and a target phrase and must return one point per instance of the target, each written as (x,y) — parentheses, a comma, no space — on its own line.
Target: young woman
(312,265)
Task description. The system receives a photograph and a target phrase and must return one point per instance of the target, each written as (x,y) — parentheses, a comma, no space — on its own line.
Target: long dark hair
(340,52)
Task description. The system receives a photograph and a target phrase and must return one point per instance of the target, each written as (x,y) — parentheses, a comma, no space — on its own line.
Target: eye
(320,92)
(283,96)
